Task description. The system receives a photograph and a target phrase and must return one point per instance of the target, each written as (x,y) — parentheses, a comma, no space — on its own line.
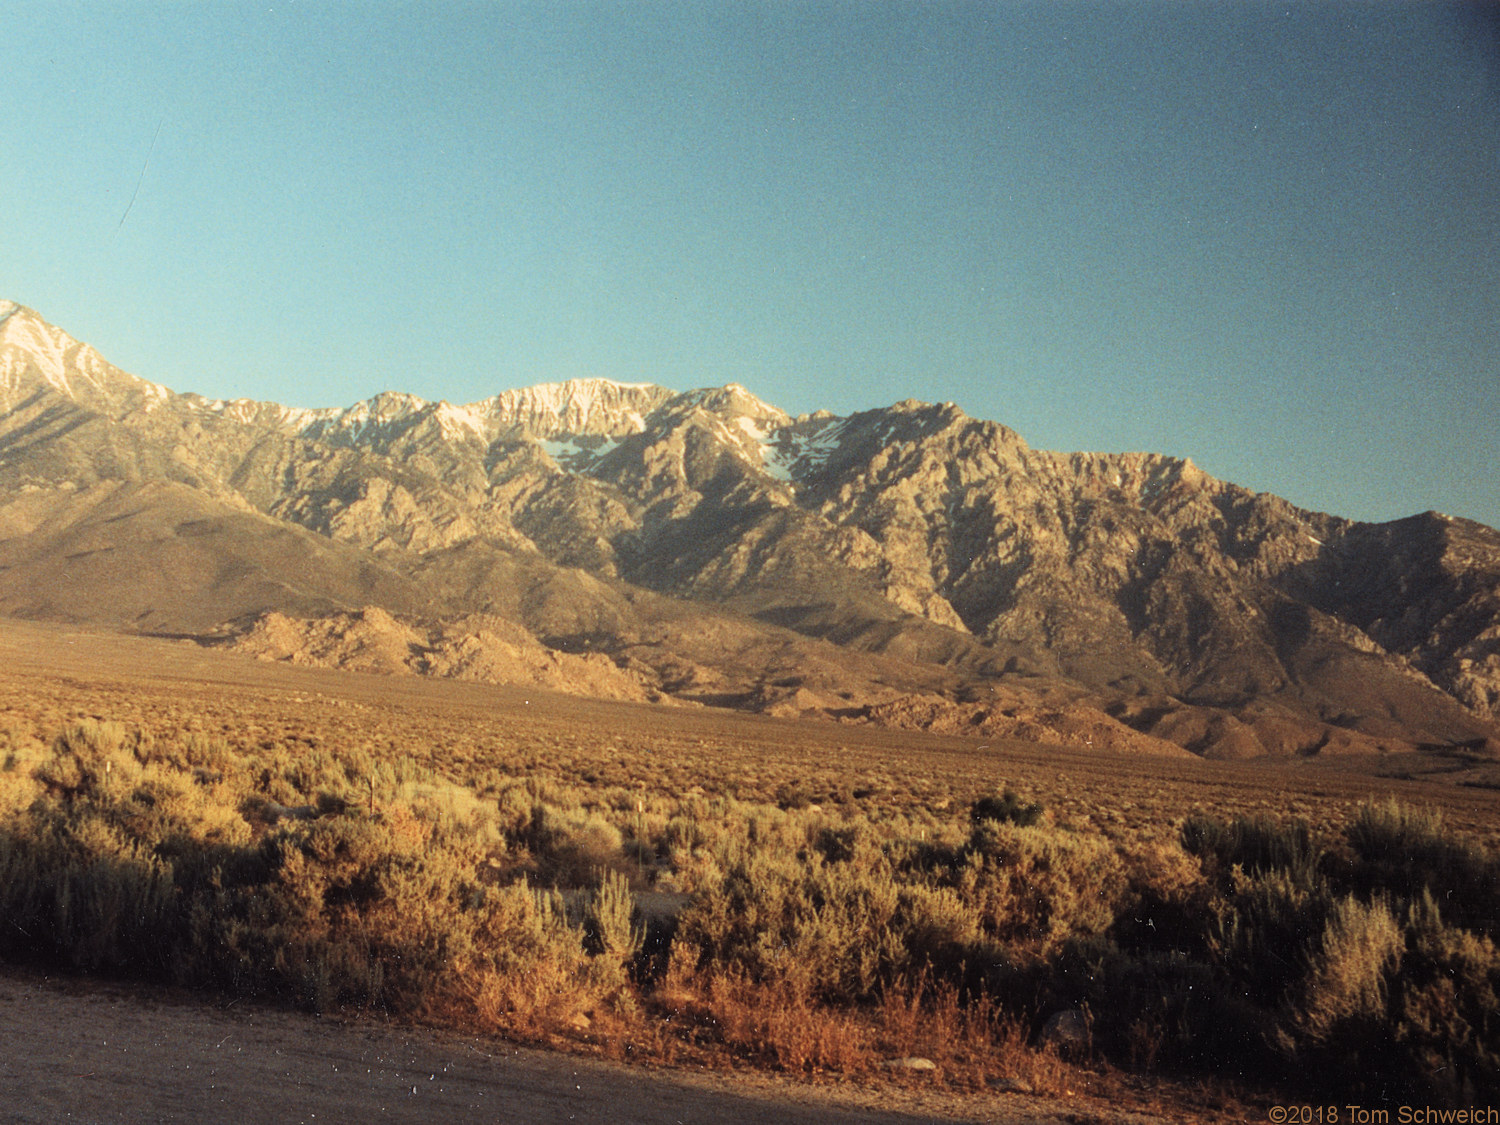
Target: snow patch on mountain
(249,411)
(579,454)
(733,401)
(577,422)
(461,421)
(352,424)
(800,450)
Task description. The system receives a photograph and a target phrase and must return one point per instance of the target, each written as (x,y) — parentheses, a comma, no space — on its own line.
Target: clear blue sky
(1265,236)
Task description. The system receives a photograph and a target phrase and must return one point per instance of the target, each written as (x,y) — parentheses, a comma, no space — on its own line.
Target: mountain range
(910,565)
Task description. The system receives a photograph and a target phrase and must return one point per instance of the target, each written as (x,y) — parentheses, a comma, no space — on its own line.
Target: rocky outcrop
(1075,724)
(485,649)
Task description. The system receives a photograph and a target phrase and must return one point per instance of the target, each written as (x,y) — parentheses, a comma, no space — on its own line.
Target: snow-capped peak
(460,421)
(68,366)
(577,406)
(351,423)
(578,422)
(23,334)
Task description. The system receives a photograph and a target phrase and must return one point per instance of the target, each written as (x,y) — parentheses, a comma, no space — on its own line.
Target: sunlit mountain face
(909,565)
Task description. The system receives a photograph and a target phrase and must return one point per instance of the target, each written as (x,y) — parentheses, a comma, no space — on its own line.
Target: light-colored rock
(911,1062)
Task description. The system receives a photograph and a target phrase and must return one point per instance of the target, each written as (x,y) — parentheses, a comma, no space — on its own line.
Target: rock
(911,1062)
(1068,1032)
(275,811)
(1009,1085)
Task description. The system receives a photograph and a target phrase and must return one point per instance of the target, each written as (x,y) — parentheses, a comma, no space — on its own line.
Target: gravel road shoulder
(89,1052)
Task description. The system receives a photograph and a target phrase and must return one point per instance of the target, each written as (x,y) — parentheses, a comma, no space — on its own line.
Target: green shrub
(1345,985)
(813,937)
(1166,903)
(573,847)
(90,759)
(1445,1011)
(80,893)
(1263,933)
(195,750)
(833,932)
(1153,1010)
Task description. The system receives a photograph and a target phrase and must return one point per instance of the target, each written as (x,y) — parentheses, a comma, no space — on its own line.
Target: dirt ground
(90,1052)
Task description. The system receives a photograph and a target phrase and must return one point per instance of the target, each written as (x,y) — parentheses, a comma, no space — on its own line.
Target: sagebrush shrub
(90,759)
(1445,1010)
(609,920)
(1257,845)
(811,938)
(1346,980)
(1406,852)
(1040,886)
(1008,808)
(1263,931)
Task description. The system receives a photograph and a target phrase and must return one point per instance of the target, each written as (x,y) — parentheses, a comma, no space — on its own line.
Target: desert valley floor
(52,675)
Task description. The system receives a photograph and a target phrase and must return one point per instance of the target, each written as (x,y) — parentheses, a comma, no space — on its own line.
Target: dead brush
(973,1042)
(778,1025)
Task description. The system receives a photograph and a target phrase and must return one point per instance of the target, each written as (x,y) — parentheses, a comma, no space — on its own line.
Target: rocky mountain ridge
(908,565)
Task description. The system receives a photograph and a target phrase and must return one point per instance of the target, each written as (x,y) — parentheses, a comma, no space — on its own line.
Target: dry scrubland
(684,885)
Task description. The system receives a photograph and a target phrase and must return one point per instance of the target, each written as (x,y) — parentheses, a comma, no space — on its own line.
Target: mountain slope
(161,556)
(918,566)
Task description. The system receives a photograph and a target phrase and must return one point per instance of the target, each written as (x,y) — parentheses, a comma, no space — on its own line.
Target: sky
(1263,236)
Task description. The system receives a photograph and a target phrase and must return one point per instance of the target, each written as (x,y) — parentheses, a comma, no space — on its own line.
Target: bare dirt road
(101,1053)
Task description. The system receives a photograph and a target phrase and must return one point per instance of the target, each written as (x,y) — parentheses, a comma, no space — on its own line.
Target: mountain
(909,565)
